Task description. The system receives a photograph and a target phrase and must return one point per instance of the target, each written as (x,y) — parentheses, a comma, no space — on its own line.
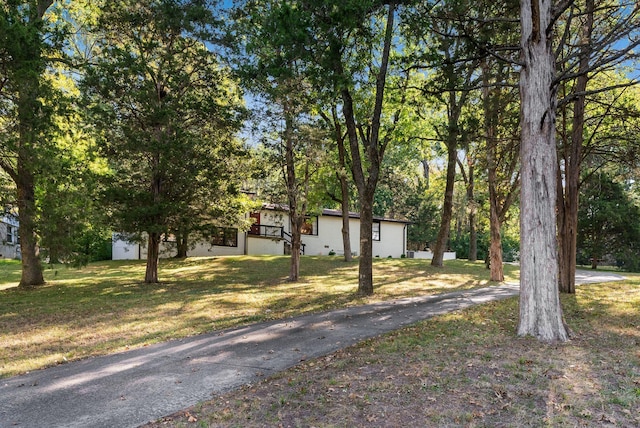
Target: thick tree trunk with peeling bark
(540,311)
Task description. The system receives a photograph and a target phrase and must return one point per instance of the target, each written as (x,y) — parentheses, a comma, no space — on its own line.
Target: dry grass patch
(104,307)
(464,369)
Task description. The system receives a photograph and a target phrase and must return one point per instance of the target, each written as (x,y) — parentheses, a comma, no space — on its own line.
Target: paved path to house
(131,388)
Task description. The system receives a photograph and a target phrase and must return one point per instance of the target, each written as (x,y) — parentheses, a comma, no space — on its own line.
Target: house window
(10,233)
(375,232)
(310,226)
(225,237)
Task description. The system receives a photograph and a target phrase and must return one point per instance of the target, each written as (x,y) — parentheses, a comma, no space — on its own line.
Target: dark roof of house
(333,213)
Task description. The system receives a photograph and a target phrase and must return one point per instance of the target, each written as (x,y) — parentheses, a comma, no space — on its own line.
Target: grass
(463,369)
(105,308)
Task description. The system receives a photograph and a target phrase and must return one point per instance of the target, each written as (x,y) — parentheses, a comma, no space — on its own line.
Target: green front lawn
(104,307)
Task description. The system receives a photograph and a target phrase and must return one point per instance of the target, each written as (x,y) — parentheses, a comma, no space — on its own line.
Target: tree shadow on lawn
(81,314)
(461,369)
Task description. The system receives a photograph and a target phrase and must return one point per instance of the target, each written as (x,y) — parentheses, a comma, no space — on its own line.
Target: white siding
(9,247)
(258,246)
(392,238)
(123,250)
(392,241)
(448,255)
(328,238)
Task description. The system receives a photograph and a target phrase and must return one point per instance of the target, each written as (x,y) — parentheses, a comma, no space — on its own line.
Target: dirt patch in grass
(465,369)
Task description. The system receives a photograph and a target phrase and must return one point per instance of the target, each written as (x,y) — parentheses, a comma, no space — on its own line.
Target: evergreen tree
(167,112)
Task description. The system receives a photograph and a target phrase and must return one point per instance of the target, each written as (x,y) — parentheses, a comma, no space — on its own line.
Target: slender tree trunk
(425,172)
(344,189)
(296,244)
(569,232)
(153,248)
(296,212)
(153,254)
(182,245)
(346,234)
(495,247)
(494,258)
(447,208)
(540,311)
(473,230)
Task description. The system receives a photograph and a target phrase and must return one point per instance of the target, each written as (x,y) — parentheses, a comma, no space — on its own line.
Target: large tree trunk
(447,208)
(153,254)
(31,266)
(27,162)
(27,65)
(540,311)
(365,265)
(568,225)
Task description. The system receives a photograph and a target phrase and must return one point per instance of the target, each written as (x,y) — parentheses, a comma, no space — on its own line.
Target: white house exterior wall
(326,238)
(258,246)
(329,238)
(206,250)
(9,249)
(123,250)
(386,247)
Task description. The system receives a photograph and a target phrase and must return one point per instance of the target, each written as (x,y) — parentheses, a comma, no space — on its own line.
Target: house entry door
(255,227)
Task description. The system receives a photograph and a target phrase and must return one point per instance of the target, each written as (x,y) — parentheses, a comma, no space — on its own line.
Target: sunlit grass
(104,307)
(463,368)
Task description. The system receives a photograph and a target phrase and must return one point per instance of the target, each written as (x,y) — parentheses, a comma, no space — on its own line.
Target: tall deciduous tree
(272,65)
(503,175)
(341,173)
(167,112)
(595,37)
(367,145)
(540,311)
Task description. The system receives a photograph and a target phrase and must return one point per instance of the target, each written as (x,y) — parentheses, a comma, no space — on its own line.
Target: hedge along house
(270,234)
